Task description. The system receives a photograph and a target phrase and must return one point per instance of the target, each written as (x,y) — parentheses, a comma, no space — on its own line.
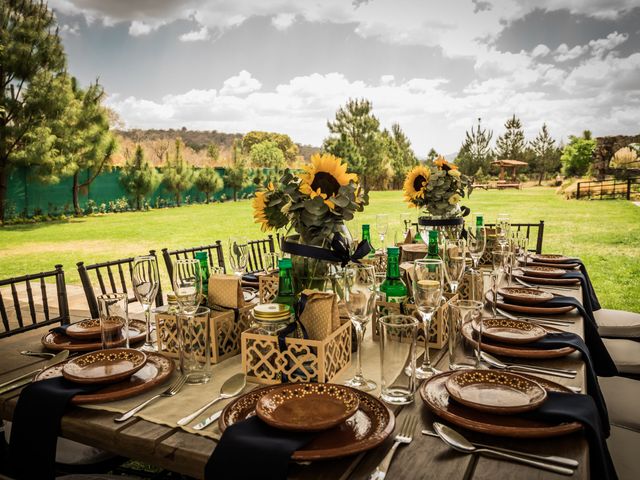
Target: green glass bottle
(203,258)
(432,247)
(366,235)
(286,293)
(418,237)
(393,289)
(479,220)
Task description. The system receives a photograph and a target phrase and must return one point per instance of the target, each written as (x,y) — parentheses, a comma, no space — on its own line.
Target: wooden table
(180,451)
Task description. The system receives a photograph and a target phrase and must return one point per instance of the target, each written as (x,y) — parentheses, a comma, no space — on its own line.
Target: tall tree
(283,142)
(33,91)
(208,182)
(178,174)
(266,154)
(213,152)
(236,175)
(475,153)
(431,156)
(547,156)
(402,157)
(138,177)
(577,155)
(511,144)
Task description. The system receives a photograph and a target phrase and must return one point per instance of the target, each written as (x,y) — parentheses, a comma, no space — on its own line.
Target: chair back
(257,250)
(113,276)
(14,320)
(534,232)
(216,256)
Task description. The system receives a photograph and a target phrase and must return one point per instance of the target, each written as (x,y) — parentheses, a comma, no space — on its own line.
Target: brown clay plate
(502,393)
(58,341)
(512,307)
(434,394)
(544,272)
(546,281)
(550,258)
(156,371)
(564,266)
(104,366)
(506,330)
(517,351)
(90,328)
(372,423)
(528,296)
(307,406)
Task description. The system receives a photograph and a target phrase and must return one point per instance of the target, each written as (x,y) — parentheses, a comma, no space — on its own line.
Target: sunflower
(324,177)
(455,198)
(415,183)
(259,209)
(442,164)
(269,217)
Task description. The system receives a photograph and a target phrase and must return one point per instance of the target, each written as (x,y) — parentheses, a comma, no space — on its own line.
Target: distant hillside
(156,144)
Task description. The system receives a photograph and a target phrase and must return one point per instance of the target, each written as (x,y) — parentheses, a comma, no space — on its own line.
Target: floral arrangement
(315,203)
(438,189)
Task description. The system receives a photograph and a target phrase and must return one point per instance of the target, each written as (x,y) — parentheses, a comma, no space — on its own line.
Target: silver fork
(405,436)
(169,392)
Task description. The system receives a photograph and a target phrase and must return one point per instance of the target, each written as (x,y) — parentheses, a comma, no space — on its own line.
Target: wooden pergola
(504,164)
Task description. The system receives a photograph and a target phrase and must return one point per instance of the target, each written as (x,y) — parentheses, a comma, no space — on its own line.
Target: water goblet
(503,226)
(453,256)
(238,254)
(476,243)
(187,284)
(382,225)
(146,283)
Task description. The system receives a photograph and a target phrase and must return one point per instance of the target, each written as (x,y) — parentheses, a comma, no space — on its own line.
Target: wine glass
(476,243)
(503,226)
(187,284)
(405,225)
(428,280)
(238,254)
(382,225)
(453,256)
(270,263)
(146,283)
(359,294)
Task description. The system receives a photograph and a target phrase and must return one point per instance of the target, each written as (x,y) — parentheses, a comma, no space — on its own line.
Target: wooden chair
(35,319)
(118,281)
(531,229)
(257,249)
(216,256)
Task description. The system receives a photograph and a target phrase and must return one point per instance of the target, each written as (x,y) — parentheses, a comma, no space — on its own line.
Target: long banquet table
(164,444)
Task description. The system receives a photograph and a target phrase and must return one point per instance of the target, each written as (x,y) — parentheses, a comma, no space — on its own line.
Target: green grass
(605,234)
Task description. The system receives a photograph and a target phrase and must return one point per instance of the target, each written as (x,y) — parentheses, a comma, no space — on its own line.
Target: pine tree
(431,156)
(236,175)
(138,177)
(547,156)
(475,152)
(178,174)
(33,91)
(511,145)
(402,156)
(208,182)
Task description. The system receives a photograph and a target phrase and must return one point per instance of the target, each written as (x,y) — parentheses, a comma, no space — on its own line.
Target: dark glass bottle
(286,293)
(393,289)
(418,237)
(203,258)
(366,235)
(432,247)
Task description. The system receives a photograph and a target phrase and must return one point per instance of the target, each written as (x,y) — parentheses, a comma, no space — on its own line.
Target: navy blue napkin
(36,426)
(588,292)
(571,407)
(62,329)
(559,340)
(252,449)
(250,278)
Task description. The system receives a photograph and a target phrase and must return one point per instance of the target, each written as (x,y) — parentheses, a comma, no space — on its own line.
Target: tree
(547,156)
(431,156)
(402,157)
(475,152)
(208,182)
(577,155)
(138,177)
(511,144)
(266,154)
(283,142)
(213,152)
(178,174)
(33,91)
(236,175)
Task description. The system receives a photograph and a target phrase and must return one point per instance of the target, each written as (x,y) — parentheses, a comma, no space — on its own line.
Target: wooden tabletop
(174,449)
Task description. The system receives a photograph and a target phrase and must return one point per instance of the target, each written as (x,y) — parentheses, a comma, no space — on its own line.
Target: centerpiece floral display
(313,207)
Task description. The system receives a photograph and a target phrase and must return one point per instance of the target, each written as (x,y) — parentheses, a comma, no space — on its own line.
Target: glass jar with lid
(271,318)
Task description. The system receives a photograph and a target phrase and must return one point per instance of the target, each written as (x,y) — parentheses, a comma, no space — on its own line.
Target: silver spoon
(558,372)
(230,388)
(461,444)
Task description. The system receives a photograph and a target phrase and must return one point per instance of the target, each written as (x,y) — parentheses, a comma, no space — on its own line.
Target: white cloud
(603,45)
(563,53)
(138,28)
(195,35)
(540,51)
(282,21)
(241,84)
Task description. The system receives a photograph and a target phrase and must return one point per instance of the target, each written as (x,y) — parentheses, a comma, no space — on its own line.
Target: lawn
(605,234)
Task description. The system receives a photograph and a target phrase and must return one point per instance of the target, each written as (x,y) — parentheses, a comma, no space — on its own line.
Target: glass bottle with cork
(393,289)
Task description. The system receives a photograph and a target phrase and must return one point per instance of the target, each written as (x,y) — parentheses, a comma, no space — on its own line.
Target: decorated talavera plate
(104,366)
(507,330)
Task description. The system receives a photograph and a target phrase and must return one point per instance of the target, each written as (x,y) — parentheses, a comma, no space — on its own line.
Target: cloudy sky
(434,67)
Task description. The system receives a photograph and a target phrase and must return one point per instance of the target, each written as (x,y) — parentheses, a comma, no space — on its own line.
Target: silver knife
(27,377)
(208,421)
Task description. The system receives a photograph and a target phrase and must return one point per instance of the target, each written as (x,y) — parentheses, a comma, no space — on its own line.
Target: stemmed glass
(405,225)
(382,225)
(187,284)
(146,283)
(428,280)
(476,243)
(495,277)
(359,294)
(238,254)
(454,255)
(503,226)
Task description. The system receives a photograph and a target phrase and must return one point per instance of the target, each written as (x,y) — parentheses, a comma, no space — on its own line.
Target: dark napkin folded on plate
(36,425)
(252,449)
(62,329)
(572,407)
(585,281)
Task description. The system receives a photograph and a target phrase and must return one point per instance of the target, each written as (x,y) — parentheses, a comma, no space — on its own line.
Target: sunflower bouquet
(438,189)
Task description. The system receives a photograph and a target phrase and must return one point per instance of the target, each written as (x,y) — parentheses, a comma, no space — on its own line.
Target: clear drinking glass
(405,225)
(476,243)
(194,339)
(492,281)
(382,225)
(146,283)
(503,226)
(397,353)
(359,295)
(453,256)
(187,284)
(114,319)
(463,314)
(524,248)
(238,254)
(270,262)
(428,281)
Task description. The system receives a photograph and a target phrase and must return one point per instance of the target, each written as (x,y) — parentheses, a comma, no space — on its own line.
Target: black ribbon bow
(338,253)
